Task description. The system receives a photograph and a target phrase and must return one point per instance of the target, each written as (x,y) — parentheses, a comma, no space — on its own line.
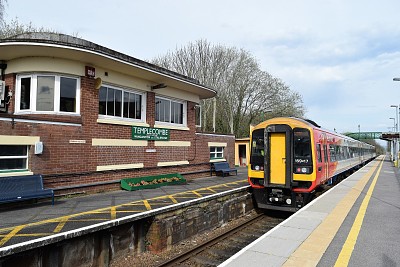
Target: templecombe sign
(147,133)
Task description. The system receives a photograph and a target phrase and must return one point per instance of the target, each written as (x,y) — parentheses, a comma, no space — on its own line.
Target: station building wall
(86,152)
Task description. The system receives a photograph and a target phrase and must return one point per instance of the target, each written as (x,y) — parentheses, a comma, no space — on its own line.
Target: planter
(148,182)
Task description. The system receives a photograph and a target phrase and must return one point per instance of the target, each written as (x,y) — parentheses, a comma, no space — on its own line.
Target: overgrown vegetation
(246,94)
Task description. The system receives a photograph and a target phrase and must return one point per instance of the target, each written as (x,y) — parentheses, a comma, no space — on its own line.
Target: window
(120,103)
(302,161)
(319,157)
(13,157)
(47,93)
(170,111)
(257,150)
(197,114)
(216,152)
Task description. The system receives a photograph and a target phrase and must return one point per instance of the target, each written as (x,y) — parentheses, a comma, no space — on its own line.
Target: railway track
(218,249)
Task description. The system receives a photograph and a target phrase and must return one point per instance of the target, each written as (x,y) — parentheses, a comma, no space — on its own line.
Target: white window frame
(197,107)
(17,157)
(215,152)
(33,94)
(184,111)
(122,118)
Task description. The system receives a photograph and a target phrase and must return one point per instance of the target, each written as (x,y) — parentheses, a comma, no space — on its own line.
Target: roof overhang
(10,50)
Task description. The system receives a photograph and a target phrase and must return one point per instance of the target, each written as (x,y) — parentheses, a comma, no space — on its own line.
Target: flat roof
(73,48)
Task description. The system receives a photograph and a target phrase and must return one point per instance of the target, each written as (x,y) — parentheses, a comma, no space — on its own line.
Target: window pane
(176,112)
(10,150)
(45,93)
(12,164)
(162,110)
(197,115)
(138,105)
(68,94)
(126,105)
(118,103)
(25,100)
(110,102)
(103,101)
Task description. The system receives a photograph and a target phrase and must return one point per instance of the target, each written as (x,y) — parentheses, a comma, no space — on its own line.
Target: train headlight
(288,201)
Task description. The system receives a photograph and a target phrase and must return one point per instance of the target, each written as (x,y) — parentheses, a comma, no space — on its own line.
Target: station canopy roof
(73,48)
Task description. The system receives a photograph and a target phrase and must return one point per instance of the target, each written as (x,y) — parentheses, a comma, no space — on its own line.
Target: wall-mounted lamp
(158,86)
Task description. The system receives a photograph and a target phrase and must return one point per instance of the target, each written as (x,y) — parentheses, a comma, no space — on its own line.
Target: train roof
(305,123)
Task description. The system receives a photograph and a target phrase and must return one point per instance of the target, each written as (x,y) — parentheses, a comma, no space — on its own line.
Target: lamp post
(394,142)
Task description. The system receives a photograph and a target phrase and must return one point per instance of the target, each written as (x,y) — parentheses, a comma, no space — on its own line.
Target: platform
(25,223)
(356,223)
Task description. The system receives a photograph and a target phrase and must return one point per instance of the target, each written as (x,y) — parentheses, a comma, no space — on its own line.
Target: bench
(222,167)
(18,188)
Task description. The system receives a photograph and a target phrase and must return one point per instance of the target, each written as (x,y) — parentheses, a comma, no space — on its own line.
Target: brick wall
(71,167)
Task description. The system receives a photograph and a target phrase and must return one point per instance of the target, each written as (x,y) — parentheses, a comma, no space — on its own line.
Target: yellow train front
(290,158)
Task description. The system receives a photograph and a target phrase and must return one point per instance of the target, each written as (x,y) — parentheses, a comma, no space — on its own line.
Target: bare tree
(245,93)
(2,8)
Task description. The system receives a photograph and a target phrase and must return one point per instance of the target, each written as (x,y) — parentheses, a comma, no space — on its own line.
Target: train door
(326,159)
(320,163)
(278,147)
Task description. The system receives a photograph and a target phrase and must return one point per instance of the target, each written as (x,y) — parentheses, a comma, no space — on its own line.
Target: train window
(257,150)
(302,161)
(319,157)
(332,153)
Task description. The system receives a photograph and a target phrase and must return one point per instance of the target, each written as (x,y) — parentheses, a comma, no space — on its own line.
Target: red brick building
(85,116)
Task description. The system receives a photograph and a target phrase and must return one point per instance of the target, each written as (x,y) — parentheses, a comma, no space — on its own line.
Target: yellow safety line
(61,224)
(113,213)
(310,252)
(173,199)
(348,247)
(212,190)
(11,234)
(146,204)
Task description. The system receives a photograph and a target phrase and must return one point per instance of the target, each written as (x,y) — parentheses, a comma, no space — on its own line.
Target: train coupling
(277,197)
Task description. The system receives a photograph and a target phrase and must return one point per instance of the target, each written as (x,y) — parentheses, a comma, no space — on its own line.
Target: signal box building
(85,116)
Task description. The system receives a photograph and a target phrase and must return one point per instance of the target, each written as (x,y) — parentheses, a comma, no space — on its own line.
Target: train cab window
(302,161)
(257,150)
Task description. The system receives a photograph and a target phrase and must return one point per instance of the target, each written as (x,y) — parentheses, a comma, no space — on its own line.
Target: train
(292,158)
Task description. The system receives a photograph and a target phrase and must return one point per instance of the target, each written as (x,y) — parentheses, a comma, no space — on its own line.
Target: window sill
(121,122)
(217,160)
(172,127)
(15,173)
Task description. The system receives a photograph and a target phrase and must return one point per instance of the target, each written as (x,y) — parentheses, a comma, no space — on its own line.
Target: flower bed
(149,182)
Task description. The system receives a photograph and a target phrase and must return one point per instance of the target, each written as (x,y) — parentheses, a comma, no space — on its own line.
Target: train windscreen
(302,161)
(257,150)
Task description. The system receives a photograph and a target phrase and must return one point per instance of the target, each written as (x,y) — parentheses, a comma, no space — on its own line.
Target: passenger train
(291,158)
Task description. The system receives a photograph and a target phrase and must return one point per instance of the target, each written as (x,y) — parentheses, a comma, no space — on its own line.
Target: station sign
(148,133)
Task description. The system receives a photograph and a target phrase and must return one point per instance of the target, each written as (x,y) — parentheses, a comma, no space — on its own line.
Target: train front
(281,169)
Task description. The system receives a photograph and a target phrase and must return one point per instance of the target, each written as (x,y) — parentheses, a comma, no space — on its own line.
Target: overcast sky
(340,55)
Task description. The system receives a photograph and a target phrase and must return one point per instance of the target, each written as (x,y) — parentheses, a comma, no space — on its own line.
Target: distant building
(85,116)
(242,151)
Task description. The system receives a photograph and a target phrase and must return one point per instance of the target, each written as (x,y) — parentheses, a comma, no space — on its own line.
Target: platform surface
(356,223)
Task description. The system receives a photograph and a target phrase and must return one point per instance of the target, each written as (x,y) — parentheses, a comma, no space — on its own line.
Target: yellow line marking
(310,252)
(61,224)
(212,190)
(113,213)
(348,247)
(197,194)
(146,204)
(11,234)
(29,235)
(173,199)
(106,210)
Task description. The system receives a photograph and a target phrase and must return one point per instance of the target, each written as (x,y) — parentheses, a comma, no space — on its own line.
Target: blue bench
(18,188)
(222,167)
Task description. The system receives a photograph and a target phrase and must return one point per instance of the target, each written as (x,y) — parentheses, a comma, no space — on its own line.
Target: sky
(340,55)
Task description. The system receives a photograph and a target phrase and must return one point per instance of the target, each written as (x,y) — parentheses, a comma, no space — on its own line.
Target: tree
(2,8)
(246,94)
